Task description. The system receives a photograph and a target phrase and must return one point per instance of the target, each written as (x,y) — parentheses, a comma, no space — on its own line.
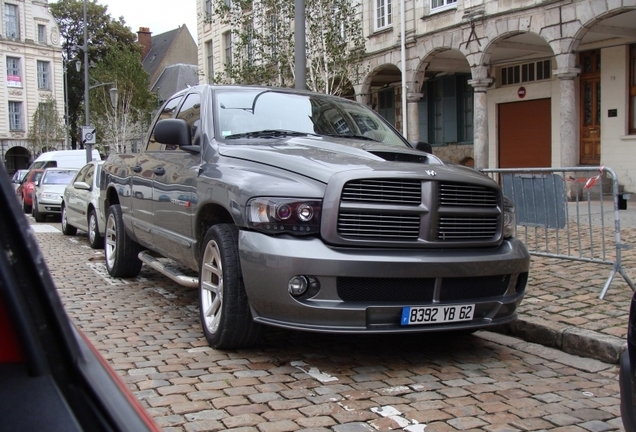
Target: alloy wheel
(212,287)
(111,241)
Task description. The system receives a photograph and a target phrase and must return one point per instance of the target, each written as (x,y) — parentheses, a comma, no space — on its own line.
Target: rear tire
(95,239)
(225,313)
(66,228)
(120,250)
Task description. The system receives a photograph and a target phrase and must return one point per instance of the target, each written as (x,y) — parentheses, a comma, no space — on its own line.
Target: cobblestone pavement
(148,329)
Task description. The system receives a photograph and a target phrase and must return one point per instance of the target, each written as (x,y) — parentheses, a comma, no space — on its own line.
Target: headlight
(284,215)
(50,196)
(510,222)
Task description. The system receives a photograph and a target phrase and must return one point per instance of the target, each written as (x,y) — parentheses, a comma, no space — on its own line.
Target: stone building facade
(508,83)
(31,72)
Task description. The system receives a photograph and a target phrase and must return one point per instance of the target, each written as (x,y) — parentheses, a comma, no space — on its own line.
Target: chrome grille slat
(383,191)
(465,228)
(378,225)
(451,194)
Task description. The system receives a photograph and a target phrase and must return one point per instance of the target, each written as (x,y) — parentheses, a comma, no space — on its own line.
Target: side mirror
(422,146)
(173,132)
(81,185)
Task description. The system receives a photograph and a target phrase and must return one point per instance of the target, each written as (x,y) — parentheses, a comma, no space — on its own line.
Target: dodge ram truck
(310,212)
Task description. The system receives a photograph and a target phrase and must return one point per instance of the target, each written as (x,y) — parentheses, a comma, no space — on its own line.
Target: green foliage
(47,129)
(103,33)
(121,68)
(263,43)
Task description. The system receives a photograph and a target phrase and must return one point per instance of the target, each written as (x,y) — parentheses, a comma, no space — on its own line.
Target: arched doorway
(17,158)
(385,93)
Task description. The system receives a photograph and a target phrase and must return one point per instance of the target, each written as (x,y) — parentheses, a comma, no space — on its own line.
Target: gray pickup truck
(309,212)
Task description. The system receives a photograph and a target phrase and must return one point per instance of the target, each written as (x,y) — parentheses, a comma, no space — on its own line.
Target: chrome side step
(149,258)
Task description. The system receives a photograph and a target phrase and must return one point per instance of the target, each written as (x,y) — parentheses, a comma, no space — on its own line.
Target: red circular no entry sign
(521,92)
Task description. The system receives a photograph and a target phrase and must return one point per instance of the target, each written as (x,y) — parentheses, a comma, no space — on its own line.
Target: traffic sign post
(88,139)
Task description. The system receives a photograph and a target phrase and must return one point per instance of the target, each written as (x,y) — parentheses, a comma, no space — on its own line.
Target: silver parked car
(49,189)
(17,178)
(80,205)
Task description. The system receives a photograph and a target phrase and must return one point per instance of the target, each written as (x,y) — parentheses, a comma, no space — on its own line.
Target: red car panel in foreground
(51,377)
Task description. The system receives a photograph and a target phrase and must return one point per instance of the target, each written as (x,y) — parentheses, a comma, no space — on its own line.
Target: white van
(63,159)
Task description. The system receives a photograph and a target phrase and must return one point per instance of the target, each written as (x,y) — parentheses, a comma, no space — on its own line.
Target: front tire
(94,238)
(39,217)
(120,250)
(225,313)
(66,228)
(25,207)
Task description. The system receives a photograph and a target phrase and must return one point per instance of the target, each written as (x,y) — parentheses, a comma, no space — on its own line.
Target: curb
(572,340)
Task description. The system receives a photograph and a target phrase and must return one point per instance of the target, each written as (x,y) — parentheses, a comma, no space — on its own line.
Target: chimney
(143,37)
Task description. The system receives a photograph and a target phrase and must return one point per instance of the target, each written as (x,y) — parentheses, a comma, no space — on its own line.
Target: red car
(27,187)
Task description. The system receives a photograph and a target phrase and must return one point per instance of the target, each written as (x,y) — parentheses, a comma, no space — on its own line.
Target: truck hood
(319,158)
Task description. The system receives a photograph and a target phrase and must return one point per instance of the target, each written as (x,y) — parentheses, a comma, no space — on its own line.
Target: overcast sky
(160,15)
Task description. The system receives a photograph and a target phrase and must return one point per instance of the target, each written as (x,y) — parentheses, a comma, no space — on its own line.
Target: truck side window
(168,111)
(191,112)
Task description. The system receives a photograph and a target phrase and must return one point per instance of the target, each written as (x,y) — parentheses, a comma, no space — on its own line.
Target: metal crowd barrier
(568,213)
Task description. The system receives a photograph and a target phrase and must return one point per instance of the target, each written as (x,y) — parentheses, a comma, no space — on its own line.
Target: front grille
(422,212)
(420,290)
(383,191)
(467,227)
(379,226)
(452,194)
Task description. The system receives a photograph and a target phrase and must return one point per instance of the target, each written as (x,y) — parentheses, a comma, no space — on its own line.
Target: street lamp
(67,144)
(89,153)
(114,93)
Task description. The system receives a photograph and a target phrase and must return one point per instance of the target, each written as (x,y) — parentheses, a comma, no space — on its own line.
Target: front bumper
(364,290)
(49,207)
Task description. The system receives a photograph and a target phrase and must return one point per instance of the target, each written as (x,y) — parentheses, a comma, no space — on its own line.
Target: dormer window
(41,33)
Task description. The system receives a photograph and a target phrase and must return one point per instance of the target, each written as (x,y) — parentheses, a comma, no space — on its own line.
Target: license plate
(437,314)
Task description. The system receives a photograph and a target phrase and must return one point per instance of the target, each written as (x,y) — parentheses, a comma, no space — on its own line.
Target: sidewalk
(562,308)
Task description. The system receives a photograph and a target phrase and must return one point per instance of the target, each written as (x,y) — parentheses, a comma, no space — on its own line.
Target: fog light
(297,285)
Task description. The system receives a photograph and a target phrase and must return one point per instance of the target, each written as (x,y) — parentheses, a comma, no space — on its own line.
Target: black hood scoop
(400,157)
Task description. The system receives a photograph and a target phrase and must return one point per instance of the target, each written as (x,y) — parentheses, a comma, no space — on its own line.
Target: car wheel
(94,238)
(66,228)
(119,249)
(25,207)
(39,217)
(225,314)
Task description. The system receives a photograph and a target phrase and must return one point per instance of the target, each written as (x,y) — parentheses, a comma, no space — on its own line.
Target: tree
(47,128)
(117,125)
(103,32)
(262,43)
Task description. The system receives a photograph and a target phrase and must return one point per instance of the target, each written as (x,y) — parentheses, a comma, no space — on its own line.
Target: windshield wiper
(362,137)
(267,133)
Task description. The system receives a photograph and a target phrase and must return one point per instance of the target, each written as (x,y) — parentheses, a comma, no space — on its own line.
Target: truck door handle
(159,171)
(137,168)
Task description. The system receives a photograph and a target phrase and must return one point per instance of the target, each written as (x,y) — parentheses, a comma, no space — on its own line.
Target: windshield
(253,113)
(59,177)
